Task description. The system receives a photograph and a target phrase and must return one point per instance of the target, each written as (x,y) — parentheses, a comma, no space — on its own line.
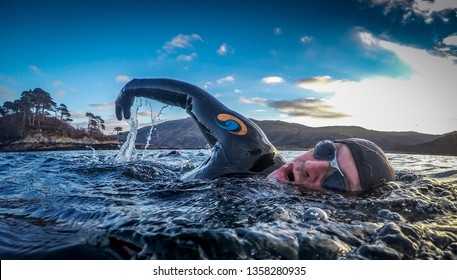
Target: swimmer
(240,147)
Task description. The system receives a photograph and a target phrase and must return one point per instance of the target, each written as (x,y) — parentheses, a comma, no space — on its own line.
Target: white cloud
(122,79)
(306,39)
(145,114)
(367,39)
(222,49)
(319,83)
(273,80)
(181,41)
(35,69)
(426,8)
(228,79)
(103,106)
(425,101)
(237,91)
(207,84)
(254,100)
(422,8)
(451,40)
(185,57)
(225,49)
(76,115)
(304,107)
(277,31)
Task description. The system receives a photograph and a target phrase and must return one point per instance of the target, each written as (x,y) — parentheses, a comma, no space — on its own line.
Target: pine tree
(118,129)
(64,113)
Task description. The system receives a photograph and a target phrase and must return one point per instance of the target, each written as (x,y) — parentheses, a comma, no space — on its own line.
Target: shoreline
(18,147)
(50,147)
(55,147)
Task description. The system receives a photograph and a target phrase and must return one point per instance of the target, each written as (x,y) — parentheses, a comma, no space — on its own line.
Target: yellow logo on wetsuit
(232,124)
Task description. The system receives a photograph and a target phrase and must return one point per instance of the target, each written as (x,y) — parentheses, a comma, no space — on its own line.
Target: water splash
(154,119)
(128,148)
(94,157)
(127,151)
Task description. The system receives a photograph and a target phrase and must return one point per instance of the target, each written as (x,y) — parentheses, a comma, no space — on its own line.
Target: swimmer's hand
(123,103)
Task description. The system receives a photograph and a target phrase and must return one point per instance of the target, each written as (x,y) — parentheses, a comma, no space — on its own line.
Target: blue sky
(380,64)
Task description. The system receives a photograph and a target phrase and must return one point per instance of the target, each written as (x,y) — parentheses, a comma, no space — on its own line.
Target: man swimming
(240,147)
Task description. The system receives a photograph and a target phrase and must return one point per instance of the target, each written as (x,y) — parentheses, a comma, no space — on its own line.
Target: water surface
(88,205)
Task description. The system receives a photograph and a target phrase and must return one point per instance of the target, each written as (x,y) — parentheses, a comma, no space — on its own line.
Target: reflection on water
(86,205)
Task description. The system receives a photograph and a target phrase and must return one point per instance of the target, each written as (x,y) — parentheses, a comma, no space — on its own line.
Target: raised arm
(199,104)
(239,146)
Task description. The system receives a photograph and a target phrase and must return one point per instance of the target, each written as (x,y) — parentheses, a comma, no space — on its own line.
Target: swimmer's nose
(298,173)
(290,173)
(316,171)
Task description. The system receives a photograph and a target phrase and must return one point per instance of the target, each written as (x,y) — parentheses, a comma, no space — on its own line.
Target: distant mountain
(177,134)
(184,134)
(445,145)
(290,135)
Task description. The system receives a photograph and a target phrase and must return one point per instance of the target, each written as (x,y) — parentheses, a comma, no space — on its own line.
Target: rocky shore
(53,143)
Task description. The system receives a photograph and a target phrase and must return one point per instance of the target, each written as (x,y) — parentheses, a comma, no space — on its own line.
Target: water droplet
(315,213)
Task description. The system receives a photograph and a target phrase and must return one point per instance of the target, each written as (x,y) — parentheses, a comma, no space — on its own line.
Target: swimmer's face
(311,173)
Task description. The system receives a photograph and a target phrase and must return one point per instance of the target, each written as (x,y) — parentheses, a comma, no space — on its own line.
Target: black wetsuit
(238,145)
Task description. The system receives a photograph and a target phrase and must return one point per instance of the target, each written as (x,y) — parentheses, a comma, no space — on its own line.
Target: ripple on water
(64,204)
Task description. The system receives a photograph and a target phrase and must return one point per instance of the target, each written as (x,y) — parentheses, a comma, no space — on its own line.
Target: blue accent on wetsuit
(238,145)
(229,125)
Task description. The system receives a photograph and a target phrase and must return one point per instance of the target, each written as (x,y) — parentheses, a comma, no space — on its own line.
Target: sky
(388,65)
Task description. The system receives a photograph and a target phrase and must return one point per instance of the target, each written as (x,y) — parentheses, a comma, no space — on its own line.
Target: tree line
(36,112)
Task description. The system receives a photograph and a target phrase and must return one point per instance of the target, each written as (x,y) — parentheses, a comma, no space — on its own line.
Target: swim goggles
(335,180)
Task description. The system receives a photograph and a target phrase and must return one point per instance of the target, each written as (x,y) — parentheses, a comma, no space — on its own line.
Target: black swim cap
(372,164)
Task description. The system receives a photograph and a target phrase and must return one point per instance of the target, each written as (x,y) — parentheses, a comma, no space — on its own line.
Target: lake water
(88,205)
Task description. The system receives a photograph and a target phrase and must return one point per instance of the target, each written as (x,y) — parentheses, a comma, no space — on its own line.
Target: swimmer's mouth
(290,176)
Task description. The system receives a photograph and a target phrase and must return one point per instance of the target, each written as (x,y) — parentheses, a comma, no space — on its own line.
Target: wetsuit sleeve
(239,145)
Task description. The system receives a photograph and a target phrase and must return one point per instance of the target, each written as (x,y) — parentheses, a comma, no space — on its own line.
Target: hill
(176,134)
(289,135)
(184,133)
(445,145)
